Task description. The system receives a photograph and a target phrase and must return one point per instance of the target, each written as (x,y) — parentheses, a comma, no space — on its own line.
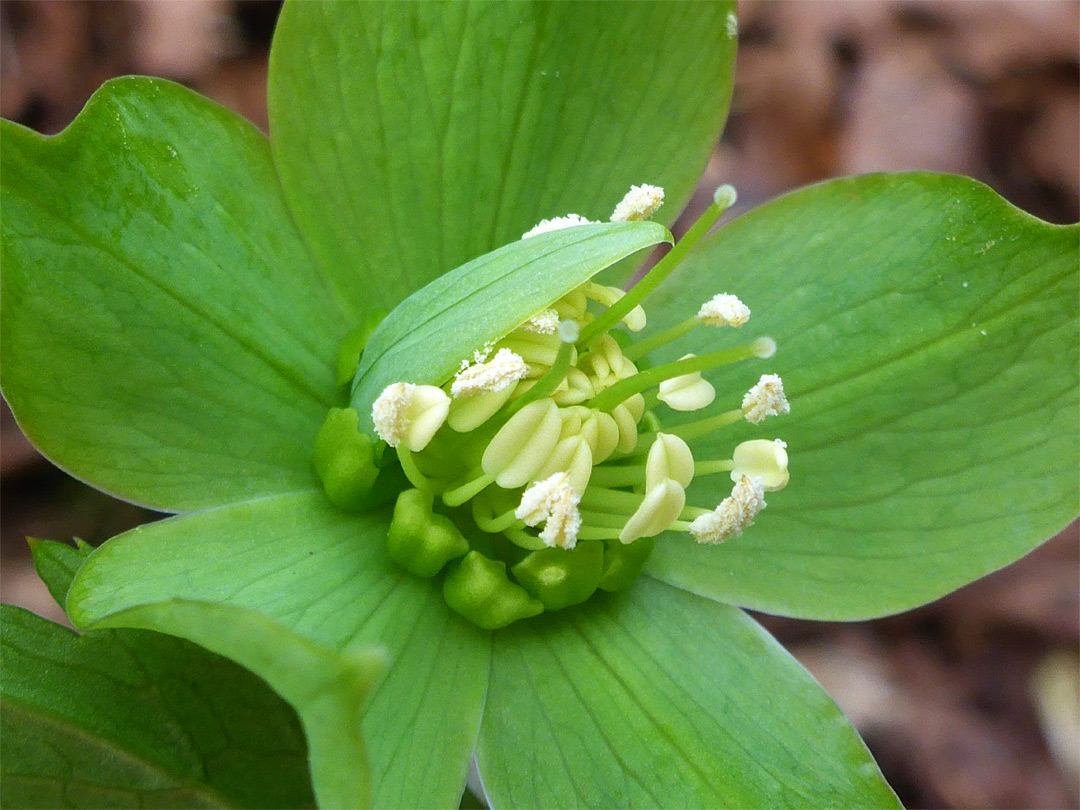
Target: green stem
(603,519)
(710,467)
(694,430)
(412,472)
(547,385)
(692,512)
(661,270)
(617,476)
(610,398)
(458,495)
(610,500)
(660,339)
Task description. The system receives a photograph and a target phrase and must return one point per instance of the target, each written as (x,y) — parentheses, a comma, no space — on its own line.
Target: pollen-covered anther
(724,310)
(763,460)
(554,503)
(409,414)
(687,392)
(497,374)
(557,224)
(734,514)
(765,399)
(640,202)
(542,323)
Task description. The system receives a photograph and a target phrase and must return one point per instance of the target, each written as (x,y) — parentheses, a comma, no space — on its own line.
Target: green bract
(176,290)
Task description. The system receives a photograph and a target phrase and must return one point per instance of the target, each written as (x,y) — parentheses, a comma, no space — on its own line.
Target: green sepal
(345,460)
(623,563)
(479,589)
(58,563)
(352,347)
(562,577)
(419,540)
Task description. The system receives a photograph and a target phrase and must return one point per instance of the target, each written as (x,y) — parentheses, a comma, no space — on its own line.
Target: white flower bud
(765,399)
(640,202)
(409,414)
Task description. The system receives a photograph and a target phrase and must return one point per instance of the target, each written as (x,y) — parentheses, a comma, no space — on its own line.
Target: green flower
(177,291)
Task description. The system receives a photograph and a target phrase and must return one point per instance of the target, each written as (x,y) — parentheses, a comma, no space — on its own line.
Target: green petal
(165,335)
(136,719)
(413,137)
(663,699)
(928,342)
(425,338)
(323,575)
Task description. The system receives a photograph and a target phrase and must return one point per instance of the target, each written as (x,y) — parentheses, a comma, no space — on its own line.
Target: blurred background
(969,702)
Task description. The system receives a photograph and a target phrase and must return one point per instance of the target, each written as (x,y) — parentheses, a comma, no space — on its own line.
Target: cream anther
(724,310)
(635,319)
(765,399)
(502,371)
(554,503)
(659,509)
(542,323)
(669,457)
(557,224)
(688,392)
(734,514)
(763,460)
(409,414)
(640,202)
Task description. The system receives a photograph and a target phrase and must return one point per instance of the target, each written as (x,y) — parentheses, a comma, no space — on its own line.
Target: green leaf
(324,575)
(165,335)
(424,339)
(928,342)
(414,137)
(57,564)
(137,719)
(327,689)
(663,699)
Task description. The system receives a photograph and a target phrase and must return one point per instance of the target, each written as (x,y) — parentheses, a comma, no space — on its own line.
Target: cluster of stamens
(547,447)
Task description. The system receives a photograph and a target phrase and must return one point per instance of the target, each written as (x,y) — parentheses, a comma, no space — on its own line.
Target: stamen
(763,460)
(723,199)
(669,457)
(640,202)
(611,397)
(733,515)
(557,224)
(554,503)
(542,323)
(658,510)
(688,392)
(765,399)
(550,382)
(409,414)
(499,373)
(635,319)
(724,310)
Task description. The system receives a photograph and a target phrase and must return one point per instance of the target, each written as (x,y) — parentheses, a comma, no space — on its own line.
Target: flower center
(542,472)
